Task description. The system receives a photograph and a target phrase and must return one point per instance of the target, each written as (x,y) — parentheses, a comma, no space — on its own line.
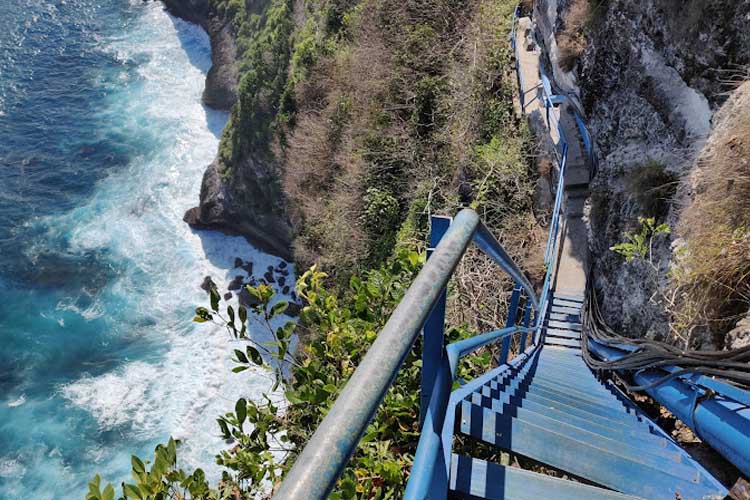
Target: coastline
(243,203)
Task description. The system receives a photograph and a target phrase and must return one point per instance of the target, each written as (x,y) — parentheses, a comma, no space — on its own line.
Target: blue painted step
(572,343)
(474,478)
(603,466)
(563,325)
(553,409)
(643,449)
(566,334)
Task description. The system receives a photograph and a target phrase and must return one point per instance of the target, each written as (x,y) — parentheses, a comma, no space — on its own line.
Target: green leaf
(214,300)
(198,319)
(94,483)
(240,356)
(224,428)
(348,488)
(330,388)
(254,292)
(240,408)
(108,493)
(254,355)
(413,258)
(132,491)
(238,369)
(279,308)
(137,464)
(230,312)
(202,312)
(243,313)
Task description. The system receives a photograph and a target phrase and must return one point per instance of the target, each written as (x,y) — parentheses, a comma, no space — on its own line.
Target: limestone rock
(740,335)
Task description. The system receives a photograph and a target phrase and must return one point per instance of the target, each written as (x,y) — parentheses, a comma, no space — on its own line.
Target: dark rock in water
(281,281)
(236,283)
(282,264)
(293,309)
(252,282)
(269,269)
(269,277)
(228,296)
(248,266)
(294,296)
(208,284)
(283,272)
(237,262)
(246,299)
(285,290)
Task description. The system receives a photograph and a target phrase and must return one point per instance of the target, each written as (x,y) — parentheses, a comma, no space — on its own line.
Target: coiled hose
(732,366)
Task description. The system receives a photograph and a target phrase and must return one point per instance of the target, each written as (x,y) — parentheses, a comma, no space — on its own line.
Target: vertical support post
(434,327)
(537,333)
(526,322)
(515,298)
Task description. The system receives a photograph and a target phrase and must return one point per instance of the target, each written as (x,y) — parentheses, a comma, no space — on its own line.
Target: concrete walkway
(572,260)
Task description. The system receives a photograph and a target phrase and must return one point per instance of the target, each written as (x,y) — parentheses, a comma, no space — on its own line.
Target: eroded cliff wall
(651,78)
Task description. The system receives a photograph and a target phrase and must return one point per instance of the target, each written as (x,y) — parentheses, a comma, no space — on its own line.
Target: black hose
(731,366)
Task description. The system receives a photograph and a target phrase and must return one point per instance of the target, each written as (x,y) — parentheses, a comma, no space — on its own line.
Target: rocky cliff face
(652,76)
(247,199)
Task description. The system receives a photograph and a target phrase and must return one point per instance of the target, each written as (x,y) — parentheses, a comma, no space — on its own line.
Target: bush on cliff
(337,330)
(391,111)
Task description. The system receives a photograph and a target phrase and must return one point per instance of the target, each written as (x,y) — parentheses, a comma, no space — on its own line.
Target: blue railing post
(515,298)
(434,328)
(526,322)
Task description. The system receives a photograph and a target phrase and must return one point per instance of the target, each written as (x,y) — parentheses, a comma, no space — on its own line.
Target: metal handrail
(320,464)
(434,442)
(322,461)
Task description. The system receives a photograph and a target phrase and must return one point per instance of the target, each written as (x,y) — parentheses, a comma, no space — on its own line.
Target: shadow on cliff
(195,51)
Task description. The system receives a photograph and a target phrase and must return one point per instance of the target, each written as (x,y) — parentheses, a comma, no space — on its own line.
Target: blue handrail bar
(316,470)
(322,461)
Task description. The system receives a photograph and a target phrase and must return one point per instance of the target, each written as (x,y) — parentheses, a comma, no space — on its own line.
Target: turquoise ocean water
(103,142)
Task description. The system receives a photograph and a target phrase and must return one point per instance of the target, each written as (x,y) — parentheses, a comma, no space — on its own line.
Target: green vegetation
(640,244)
(263,42)
(337,330)
(381,113)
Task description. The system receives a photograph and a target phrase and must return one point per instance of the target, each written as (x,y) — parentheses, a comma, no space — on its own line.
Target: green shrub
(639,245)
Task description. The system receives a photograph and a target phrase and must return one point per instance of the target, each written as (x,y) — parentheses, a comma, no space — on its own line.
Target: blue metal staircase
(543,403)
(551,408)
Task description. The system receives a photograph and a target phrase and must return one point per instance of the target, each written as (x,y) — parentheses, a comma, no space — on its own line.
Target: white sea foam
(136,217)
(17,402)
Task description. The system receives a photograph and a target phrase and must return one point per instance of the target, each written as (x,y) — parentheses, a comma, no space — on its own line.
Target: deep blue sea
(103,142)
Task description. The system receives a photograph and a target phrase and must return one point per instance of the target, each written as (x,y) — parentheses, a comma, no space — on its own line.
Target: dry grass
(653,187)
(712,275)
(324,169)
(495,180)
(571,41)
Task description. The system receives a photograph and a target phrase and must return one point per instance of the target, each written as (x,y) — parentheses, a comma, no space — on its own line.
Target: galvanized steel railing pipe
(320,464)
